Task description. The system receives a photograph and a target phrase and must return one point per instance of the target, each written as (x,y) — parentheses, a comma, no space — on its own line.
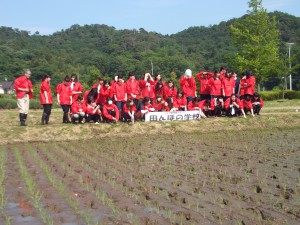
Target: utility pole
(152,67)
(290,66)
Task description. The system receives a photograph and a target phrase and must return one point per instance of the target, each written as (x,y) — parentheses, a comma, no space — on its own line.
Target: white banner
(172,116)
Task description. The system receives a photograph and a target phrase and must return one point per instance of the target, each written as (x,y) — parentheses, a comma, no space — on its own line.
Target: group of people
(220,93)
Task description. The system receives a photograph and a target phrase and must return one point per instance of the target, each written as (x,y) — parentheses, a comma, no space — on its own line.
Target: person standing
(188,85)
(46,98)
(64,98)
(76,87)
(23,88)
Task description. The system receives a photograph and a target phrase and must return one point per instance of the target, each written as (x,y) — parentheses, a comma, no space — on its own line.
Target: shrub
(292,94)
(8,103)
(35,104)
(275,95)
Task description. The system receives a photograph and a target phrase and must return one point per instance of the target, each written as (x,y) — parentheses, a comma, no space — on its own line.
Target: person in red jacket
(92,111)
(78,110)
(232,106)
(257,103)
(23,88)
(188,85)
(249,84)
(242,86)
(217,106)
(215,84)
(246,106)
(110,111)
(171,104)
(46,98)
(120,94)
(133,88)
(147,107)
(160,90)
(105,91)
(180,101)
(76,87)
(129,111)
(147,87)
(160,104)
(205,88)
(202,106)
(227,86)
(64,98)
(171,90)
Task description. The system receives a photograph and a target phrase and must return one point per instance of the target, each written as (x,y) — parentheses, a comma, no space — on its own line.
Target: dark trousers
(112,113)
(188,99)
(236,110)
(46,113)
(66,110)
(127,117)
(204,97)
(89,117)
(256,109)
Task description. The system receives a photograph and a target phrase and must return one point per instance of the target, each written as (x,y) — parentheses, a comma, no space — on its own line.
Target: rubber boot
(44,118)
(23,119)
(47,119)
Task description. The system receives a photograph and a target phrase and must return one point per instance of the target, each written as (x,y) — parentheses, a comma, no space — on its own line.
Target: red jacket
(111,107)
(160,106)
(45,87)
(215,87)
(228,85)
(104,93)
(120,91)
(192,106)
(246,104)
(90,110)
(204,83)
(228,102)
(149,107)
(132,87)
(242,88)
(171,92)
(76,87)
(76,106)
(23,82)
(147,91)
(178,102)
(249,89)
(188,86)
(65,93)
(161,92)
(260,101)
(126,110)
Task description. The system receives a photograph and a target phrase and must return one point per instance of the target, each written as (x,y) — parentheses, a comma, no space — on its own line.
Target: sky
(161,16)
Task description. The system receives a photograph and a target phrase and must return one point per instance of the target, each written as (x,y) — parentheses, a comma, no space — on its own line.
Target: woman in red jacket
(160,104)
(105,91)
(78,110)
(257,103)
(180,101)
(46,98)
(228,85)
(246,106)
(171,90)
(133,88)
(76,87)
(92,111)
(171,104)
(188,85)
(205,87)
(215,84)
(64,98)
(120,94)
(232,106)
(110,111)
(242,86)
(129,111)
(249,84)
(160,90)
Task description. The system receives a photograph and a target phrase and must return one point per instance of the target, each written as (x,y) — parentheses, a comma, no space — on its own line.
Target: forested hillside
(91,50)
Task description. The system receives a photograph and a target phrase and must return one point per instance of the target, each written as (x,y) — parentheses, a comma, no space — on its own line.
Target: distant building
(7,87)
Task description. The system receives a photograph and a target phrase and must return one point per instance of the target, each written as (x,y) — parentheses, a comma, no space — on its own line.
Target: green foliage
(8,103)
(275,95)
(35,104)
(257,37)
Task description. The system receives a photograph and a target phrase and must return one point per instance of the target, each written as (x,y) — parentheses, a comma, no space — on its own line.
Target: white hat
(188,73)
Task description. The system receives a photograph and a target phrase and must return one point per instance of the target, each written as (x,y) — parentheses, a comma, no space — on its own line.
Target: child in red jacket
(246,106)
(110,111)
(232,106)
(78,109)
(257,103)
(92,111)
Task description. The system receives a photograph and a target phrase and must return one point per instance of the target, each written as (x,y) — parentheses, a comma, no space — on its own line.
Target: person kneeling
(78,109)
(129,111)
(233,106)
(110,111)
(246,106)
(92,112)
(257,103)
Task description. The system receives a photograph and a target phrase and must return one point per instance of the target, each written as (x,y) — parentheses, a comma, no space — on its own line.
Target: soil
(233,177)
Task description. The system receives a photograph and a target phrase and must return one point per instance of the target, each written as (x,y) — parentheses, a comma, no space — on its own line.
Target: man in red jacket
(23,88)
(188,85)
(133,88)
(249,84)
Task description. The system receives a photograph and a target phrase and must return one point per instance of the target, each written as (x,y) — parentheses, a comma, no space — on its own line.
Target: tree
(257,38)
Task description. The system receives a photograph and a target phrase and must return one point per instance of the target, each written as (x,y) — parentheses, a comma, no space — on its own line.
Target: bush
(8,103)
(275,95)
(35,104)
